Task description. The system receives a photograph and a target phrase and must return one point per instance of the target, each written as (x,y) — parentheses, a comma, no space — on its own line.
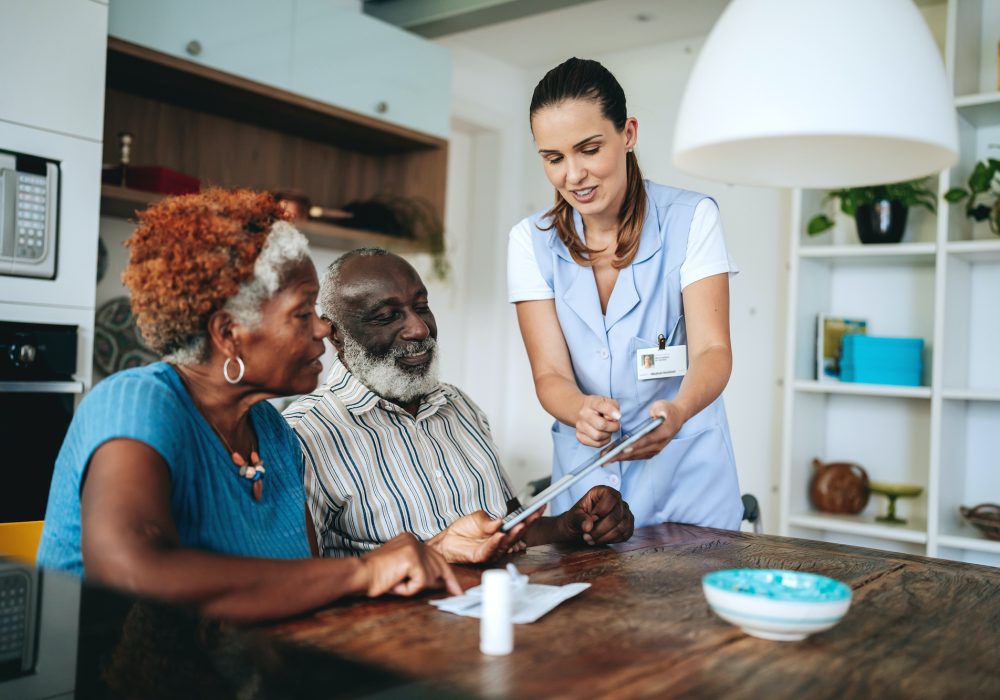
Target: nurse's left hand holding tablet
(652,444)
(598,419)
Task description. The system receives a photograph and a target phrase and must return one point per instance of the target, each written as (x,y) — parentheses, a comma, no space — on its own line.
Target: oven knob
(23,355)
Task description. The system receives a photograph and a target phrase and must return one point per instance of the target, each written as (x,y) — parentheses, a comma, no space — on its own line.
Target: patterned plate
(117,342)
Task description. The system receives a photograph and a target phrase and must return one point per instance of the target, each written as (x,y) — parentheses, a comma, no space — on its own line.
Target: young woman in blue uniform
(616,269)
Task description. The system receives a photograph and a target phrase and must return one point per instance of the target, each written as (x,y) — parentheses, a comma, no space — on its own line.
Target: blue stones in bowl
(776,604)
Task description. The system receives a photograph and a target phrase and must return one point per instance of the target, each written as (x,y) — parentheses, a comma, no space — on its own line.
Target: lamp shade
(817,93)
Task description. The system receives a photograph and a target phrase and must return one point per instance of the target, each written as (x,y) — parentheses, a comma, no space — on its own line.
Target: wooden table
(917,628)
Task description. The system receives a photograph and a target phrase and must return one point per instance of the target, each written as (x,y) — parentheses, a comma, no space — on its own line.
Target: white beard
(386,378)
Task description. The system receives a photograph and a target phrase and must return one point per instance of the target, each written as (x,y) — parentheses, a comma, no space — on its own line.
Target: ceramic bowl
(775,604)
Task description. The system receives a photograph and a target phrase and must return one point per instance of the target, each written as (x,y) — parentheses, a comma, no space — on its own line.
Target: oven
(37,396)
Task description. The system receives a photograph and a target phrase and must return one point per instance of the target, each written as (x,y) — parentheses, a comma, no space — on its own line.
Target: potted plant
(879,210)
(982,183)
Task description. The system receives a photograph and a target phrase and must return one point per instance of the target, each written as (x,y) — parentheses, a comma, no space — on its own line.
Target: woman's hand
(652,444)
(404,565)
(476,538)
(597,420)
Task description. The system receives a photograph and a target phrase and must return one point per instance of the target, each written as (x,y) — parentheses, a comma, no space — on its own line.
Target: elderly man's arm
(601,517)
(129,541)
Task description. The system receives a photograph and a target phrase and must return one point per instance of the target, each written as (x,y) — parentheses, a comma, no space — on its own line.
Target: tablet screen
(607,453)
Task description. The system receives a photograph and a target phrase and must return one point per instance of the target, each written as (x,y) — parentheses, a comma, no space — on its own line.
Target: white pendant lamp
(817,93)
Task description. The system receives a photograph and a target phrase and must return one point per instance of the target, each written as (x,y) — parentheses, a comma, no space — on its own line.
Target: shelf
(872,253)
(977,544)
(981,109)
(122,202)
(971,394)
(864,525)
(855,389)
(987,251)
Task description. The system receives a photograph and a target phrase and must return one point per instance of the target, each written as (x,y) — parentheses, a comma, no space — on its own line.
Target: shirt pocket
(646,391)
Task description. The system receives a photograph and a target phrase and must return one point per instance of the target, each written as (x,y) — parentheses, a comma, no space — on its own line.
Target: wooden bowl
(986,517)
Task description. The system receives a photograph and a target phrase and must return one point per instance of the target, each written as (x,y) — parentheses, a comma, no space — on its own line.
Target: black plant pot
(881,222)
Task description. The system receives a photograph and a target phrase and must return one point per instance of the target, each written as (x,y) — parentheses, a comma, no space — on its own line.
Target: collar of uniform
(649,239)
(358,398)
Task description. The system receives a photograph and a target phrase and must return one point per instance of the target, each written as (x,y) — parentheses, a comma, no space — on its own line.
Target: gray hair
(284,247)
(331,280)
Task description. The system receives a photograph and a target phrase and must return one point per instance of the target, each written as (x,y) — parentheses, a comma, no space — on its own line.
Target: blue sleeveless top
(212,506)
(693,480)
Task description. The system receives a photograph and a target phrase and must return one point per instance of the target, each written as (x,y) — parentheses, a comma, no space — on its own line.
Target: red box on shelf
(152,178)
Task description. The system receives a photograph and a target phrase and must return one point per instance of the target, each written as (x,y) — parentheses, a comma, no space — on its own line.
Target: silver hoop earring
(225,370)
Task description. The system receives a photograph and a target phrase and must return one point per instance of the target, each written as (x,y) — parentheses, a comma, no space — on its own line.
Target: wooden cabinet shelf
(123,202)
(230,131)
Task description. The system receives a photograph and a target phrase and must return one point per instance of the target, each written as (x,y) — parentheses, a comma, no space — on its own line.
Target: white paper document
(531,601)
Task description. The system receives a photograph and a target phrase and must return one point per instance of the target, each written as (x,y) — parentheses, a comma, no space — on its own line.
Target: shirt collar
(358,398)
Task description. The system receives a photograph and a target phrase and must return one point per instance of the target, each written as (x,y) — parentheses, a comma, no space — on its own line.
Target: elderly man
(390,449)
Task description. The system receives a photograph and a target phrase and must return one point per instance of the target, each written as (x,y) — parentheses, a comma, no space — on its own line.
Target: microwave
(29,215)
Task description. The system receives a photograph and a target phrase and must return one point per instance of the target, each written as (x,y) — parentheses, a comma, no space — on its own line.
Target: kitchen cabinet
(372,68)
(309,48)
(55,66)
(940,284)
(230,131)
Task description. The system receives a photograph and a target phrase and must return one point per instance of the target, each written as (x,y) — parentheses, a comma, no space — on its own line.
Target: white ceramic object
(774,604)
(768,104)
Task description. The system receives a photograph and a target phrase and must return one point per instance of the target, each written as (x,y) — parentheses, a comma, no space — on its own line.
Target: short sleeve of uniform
(524,279)
(706,250)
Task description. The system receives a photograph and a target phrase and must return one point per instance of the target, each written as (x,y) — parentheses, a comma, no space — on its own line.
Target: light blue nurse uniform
(693,480)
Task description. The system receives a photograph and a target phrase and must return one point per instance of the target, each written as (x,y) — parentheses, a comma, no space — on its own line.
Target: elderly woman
(178,480)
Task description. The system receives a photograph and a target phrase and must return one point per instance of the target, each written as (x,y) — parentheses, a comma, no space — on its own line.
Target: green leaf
(955,194)
(981,177)
(819,224)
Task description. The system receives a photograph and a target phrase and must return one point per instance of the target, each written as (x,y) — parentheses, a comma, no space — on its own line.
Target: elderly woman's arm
(130,542)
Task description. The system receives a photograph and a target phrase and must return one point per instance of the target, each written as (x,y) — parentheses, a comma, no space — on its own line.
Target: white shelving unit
(942,284)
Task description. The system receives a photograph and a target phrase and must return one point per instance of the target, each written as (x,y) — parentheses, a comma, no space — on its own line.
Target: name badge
(654,363)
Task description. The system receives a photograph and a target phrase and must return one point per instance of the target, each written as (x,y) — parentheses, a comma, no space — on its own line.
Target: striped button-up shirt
(373,471)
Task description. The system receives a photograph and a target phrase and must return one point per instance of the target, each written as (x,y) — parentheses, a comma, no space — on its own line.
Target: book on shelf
(830,332)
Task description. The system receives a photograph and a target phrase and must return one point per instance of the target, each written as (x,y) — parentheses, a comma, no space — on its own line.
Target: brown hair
(583,79)
(189,255)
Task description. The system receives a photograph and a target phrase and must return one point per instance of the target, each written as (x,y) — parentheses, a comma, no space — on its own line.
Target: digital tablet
(607,453)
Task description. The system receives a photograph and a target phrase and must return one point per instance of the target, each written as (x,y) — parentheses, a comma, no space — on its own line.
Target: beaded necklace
(253,472)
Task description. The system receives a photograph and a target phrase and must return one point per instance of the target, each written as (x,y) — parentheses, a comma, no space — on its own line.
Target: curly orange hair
(189,255)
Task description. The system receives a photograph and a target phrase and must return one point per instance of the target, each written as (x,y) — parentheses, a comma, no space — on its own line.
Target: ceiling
(588,28)
(531,33)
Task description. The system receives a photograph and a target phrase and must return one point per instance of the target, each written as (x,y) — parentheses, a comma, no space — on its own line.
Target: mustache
(417,347)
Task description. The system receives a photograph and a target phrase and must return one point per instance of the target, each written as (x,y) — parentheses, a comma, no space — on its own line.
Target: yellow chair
(20,540)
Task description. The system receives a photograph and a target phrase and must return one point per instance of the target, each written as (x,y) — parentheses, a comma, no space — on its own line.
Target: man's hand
(600,517)
(476,538)
(404,565)
(597,420)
